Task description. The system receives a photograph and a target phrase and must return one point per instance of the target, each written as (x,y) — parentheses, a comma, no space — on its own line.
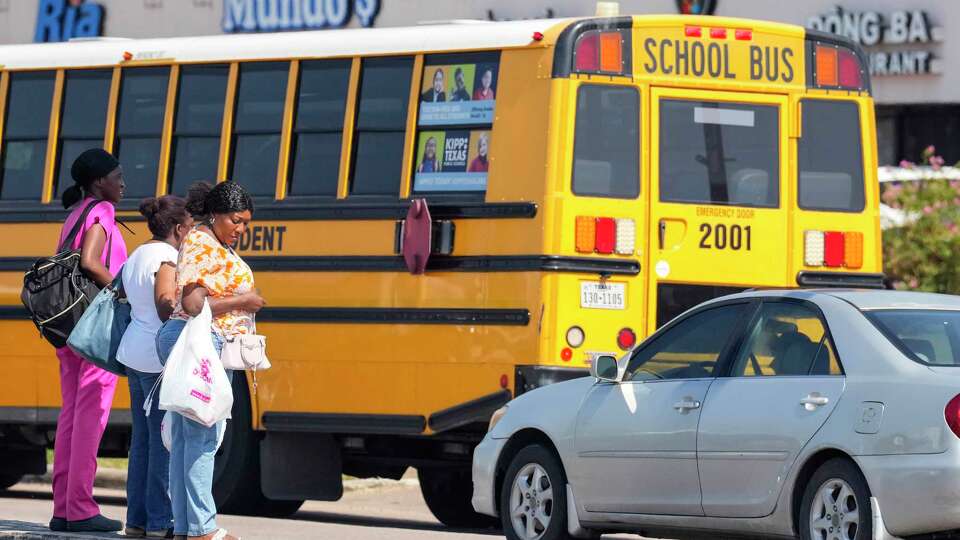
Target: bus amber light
(826,66)
(611,52)
(586,234)
(853,250)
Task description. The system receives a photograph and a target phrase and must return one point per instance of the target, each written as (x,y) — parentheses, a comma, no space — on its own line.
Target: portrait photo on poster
(457,94)
(452,161)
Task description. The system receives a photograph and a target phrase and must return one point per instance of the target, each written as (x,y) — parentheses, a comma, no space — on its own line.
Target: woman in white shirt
(149,279)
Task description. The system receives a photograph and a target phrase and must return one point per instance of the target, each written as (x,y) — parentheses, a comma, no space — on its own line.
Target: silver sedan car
(815,414)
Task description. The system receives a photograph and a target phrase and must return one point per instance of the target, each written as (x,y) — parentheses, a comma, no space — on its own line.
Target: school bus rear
(754,145)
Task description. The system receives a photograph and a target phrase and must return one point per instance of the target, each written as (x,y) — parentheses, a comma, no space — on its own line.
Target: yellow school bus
(446,216)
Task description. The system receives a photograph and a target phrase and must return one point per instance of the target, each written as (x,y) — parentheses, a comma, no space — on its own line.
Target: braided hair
(204,200)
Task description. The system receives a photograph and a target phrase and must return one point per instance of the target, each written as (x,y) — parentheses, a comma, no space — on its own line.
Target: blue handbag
(97,334)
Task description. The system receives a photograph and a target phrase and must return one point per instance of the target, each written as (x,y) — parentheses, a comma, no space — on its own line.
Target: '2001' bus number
(722,236)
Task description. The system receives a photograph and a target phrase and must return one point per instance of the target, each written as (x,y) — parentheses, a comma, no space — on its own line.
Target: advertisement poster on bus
(453,160)
(458,94)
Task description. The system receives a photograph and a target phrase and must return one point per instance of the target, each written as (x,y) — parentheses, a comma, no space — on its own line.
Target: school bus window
(719,153)
(27,125)
(261,95)
(606,147)
(830,156)
(318,128)
(199,118)
(381,125)
(86,95)
(140,112)
(455,121)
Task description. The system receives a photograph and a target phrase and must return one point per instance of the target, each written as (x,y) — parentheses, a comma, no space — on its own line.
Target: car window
(931,336)
(786,339)
(688,350)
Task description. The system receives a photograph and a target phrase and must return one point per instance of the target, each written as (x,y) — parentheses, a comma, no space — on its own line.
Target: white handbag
(246,352)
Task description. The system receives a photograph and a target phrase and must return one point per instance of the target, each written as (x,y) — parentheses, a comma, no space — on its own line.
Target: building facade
(914,55)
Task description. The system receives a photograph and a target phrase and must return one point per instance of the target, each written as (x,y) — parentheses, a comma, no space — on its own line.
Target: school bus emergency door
(717,170)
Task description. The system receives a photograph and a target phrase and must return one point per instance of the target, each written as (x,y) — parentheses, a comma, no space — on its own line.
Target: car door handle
(686,405)
(814,400)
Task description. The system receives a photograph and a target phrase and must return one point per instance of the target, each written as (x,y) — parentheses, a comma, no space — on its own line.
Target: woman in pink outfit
(87,390)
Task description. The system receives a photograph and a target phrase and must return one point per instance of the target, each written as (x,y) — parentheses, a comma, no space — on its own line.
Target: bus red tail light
(849,70)
(952,414)
(833,249)
(606,235)
(626,338)
(587,55)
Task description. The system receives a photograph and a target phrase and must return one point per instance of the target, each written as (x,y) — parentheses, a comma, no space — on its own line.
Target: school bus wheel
(447,492)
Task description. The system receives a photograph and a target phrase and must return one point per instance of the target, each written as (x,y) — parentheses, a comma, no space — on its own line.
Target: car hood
(551,409)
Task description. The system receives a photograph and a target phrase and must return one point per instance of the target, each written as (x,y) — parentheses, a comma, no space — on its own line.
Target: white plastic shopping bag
(194,381)
(166,431)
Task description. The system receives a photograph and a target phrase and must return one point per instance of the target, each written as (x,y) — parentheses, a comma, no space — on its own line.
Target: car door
(780,388)
(635,440)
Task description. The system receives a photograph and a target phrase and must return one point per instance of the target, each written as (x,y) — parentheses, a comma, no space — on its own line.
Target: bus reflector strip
(693,31)
(626,236)
(853,250)
(744,34)
(833,249)
(586,234)
(718,33)
(606,235)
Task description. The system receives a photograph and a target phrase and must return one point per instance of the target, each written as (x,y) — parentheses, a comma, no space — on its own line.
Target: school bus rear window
(719,153)
(606,146)
(831,156)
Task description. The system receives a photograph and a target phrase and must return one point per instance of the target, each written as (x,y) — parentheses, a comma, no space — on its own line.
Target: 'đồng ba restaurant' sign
(279,15)
(897,44)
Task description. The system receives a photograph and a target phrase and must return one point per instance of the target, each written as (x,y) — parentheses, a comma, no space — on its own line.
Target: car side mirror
(605,368)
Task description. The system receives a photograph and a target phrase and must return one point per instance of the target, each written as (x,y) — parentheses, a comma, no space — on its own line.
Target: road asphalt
(382,511)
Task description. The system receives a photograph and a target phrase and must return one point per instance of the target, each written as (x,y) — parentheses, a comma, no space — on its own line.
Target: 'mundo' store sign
(901,39)
(277,15)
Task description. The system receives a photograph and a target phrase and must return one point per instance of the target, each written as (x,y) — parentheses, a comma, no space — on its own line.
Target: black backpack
(56,291)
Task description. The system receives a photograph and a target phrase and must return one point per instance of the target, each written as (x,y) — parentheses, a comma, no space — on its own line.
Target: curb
(117,479)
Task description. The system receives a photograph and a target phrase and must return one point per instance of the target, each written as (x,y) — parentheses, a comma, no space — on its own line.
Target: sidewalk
(113,482)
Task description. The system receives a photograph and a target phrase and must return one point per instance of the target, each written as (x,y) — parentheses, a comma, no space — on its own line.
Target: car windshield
(931,336)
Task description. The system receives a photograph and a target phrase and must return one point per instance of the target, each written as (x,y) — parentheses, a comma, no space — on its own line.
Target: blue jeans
(191,455)
(148,471)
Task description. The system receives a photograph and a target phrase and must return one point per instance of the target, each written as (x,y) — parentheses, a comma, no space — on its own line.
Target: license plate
(603,295)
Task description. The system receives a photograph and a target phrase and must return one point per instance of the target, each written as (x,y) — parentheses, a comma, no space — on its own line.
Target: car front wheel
(836,504)
(533,499)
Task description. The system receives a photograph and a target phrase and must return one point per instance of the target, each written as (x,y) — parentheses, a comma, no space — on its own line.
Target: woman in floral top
(207,269)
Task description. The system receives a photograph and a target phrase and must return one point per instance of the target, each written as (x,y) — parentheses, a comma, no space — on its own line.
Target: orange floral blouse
(206,262)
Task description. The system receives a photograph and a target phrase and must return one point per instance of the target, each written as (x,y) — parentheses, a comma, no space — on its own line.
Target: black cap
(92,164)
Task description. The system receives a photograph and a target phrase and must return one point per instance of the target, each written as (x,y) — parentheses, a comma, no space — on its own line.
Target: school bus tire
(236,472)
(447,492)
(8,480)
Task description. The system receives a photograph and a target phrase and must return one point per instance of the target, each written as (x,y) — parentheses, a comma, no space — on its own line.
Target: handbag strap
(75,230)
